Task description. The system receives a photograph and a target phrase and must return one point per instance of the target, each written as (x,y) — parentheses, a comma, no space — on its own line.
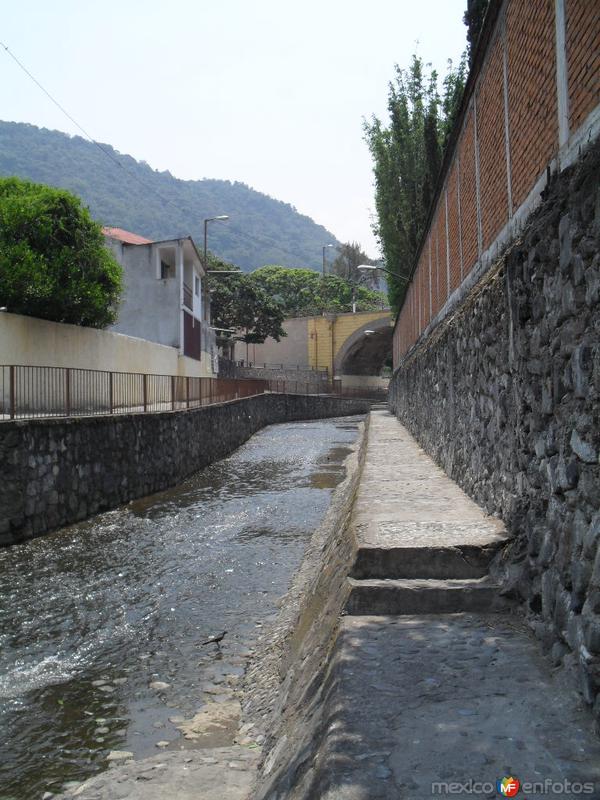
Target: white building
(165,298)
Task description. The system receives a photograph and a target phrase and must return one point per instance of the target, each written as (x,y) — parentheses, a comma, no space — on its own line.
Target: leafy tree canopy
(53,261)
(258,303)
(350,256)
(237,302)
(303,292)
(407,156)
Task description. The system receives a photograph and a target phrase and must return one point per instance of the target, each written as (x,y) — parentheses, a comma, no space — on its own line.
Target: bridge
(346,345)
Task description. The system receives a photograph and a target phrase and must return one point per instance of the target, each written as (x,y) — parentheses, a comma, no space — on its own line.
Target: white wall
(149,307)
(37,342)
(291,350)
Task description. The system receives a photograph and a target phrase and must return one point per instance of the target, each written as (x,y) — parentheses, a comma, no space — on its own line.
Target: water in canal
(93,614)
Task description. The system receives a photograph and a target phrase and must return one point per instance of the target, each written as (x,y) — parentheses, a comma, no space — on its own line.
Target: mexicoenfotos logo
(510,787)
(507,787)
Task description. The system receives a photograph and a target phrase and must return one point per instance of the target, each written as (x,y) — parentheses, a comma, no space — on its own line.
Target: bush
(53,261)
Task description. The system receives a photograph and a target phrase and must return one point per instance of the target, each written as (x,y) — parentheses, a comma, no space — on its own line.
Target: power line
(81,128)
(58,105)
(253,239)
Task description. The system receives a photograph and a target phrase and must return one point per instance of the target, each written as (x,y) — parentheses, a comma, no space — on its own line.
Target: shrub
(53,261)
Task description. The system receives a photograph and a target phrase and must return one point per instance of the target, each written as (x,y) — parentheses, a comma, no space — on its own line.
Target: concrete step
(416,596)
(437,562)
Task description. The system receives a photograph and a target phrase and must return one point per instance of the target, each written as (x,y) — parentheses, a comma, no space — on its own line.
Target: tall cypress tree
(407,156)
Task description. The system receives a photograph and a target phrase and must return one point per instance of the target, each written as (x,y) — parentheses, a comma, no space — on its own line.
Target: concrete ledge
(424,596)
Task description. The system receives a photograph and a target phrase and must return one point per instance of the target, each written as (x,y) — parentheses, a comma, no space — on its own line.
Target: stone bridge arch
(334,344)
(366,350)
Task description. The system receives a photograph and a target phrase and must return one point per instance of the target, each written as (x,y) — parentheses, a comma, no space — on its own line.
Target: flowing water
(93,614)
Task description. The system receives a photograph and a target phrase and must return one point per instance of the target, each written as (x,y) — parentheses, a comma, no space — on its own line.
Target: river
(93,614)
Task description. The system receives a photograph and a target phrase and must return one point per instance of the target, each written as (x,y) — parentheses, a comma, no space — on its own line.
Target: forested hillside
(261,230)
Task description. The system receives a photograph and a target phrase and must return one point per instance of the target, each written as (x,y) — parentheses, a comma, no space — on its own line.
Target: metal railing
(298,367)
(28,392)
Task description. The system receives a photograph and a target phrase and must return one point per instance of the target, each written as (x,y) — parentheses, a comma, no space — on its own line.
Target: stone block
(581,363)
(582,449)
(591,542)
(562,609)
(581,573)
(567,473)
(580,528)
(550,586)
(574,632)
(591,634)
(564,239)
(592,282)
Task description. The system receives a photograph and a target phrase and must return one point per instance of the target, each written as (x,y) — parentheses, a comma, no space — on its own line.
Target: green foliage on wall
(157,205)
(53,262)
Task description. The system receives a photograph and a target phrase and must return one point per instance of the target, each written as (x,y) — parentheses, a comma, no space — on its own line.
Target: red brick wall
(583,58)
(532,111)
(453,228)
(492,147)
(526,36)
(468,196)
(442,261)
(423,272)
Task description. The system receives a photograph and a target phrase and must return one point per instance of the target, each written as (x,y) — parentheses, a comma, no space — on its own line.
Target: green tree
(350,256)
(53,261)
(303,292)
(238,303)
(407,155)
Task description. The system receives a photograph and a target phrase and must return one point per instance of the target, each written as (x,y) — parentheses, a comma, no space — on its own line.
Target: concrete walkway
(428,696)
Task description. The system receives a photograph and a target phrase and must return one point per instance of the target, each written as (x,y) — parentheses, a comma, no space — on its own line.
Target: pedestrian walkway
(437,687)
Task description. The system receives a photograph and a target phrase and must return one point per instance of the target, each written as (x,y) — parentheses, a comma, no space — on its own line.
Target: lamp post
(384,269)
(325,246)
(220,218)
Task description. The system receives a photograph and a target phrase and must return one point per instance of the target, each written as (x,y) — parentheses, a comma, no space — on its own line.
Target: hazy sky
(268,92)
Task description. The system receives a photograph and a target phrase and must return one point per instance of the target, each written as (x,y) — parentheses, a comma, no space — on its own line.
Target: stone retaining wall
(230,369)
(505,395)
(59,471)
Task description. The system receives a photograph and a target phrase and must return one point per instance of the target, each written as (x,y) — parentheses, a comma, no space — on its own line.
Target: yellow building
(342,344)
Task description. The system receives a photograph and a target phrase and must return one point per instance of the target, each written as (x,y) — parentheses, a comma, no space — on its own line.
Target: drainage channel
(102,623)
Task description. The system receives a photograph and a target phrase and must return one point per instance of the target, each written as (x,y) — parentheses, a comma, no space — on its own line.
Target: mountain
(126,193)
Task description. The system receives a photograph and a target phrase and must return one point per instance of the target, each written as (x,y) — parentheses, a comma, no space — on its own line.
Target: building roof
(125,236)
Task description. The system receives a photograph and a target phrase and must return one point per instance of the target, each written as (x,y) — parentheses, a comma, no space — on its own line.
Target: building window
(166,270)
(196,286)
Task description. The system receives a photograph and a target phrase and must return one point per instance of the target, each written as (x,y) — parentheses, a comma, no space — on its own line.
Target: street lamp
(384,269)
(325,246)
(220,218)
